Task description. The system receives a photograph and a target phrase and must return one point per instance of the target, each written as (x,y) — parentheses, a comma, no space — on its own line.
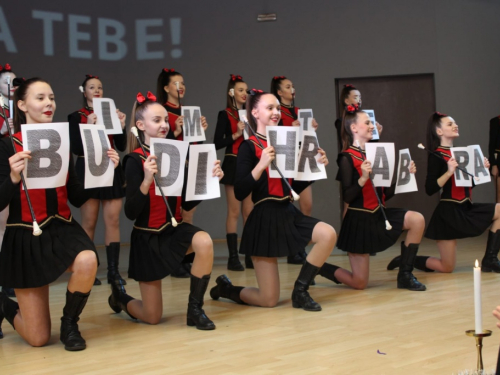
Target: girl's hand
(17,165)
(487,163)
(92,118)
(323,159)
(241,128)
(314,124)
(452,165)
(150,169)
(122,117)
(366,169)
(113,155)
(217,171)
(296,123)
(268,155)
(204,123)
(413,167)
(178,126)
(380,128)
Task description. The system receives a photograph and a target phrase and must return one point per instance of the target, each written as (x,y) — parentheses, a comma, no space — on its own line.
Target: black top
(494,143)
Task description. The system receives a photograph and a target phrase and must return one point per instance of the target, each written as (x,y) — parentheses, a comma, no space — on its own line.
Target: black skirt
(229,169)
(451,221)
(154,256)
(103,193)
(364,232)
(27,261)
(276,229)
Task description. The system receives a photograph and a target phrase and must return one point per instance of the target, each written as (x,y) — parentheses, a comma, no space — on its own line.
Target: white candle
(477,298)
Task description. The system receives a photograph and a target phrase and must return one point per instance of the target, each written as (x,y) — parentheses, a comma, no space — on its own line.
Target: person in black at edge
(30,263)
(229,134)
(110,197)
(494,153)
(156,247)
(275,227)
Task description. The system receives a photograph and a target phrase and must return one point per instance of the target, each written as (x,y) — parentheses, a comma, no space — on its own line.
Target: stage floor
(380,330)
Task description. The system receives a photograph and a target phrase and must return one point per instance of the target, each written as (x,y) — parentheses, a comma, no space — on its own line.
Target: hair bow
(6,68)
(166,70)
(440,114)
(141,99)
(91,76)
(352,108)
(234,78)
(276,78)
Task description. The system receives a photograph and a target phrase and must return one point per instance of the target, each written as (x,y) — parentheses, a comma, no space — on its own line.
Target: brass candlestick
(479,345)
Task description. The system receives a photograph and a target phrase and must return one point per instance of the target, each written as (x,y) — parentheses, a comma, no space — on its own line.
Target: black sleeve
(75,138)
(350,189)
(223,133)
(7,187)
(245,163)
(493,141)
(120,140)
(77,194)
(434,171)
(388,192)
(135,200)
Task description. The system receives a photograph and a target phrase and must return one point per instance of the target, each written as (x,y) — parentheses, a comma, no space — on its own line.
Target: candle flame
(477,264)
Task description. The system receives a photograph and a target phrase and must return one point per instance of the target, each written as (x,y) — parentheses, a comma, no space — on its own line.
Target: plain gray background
(312,43)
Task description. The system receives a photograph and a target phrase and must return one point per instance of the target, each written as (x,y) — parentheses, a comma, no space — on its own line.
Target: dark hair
(344,94)
(276,85)
(20,94)
(138,114)
(433,139)
(162,81)
(252,100)
(350,117)
(88,77)
(231,100)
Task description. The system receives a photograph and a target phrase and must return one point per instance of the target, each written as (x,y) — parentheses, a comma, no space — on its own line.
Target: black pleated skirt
(103,193)
(276,229)
(364,232)
(27,261)
(229,169)
(451,221)
(154,256)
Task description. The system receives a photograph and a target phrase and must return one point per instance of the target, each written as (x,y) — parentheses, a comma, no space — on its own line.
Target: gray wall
(313,42)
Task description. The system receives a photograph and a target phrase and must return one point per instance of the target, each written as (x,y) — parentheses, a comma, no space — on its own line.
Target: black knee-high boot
(226,289)
(406,280)
(420,263)
(195,314)
(233,262)
(119,298)
(327,270)
(113,255)
(70,335)
(490,261)
(300,294)
(8,310)
(298,258)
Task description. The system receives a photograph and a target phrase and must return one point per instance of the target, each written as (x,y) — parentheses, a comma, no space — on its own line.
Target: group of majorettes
(273,228)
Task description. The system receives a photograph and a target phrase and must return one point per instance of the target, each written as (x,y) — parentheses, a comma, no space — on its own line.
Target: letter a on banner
(171,162)
(406,181)
(285,141)
(480,171)
(49,146)
(309,168)
(383,161)
(201,185)
(464,160)
(192,129)
(99,168)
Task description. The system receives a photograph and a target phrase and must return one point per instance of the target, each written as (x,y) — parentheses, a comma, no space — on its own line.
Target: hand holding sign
(285,141)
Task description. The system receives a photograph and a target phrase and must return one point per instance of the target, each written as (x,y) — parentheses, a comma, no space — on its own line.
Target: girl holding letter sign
(455,216)
(284,90)
(363,228)
(110,197)
(275,227)
(30,263)
(229,134)
(157,247)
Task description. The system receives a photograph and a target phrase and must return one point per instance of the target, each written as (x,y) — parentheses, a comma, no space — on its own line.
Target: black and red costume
(455,216)
(288,114)
(174,112)
(227,125)
(494,142)
(363,228)
(4,119)
(27,261)
(156,247)
(275,227)
(117,141)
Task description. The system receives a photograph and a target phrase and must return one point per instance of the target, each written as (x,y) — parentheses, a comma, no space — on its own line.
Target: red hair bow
(352,108)
(254,91)
(166,70)
(91,76)
(234,78)
(278,77)
(441,114)
(349,86)
(6,68)
(141,99)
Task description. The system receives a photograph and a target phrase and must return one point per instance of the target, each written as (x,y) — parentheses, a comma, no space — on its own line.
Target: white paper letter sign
(99,168)
(382,158)
(49,146)
(371,114)
(406,181)
(242,113)
(461,155)
(171,161)
(480,171)
(201,185)
(305,116)
(105,110)
(285,141)
(309,168)
(192,129)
